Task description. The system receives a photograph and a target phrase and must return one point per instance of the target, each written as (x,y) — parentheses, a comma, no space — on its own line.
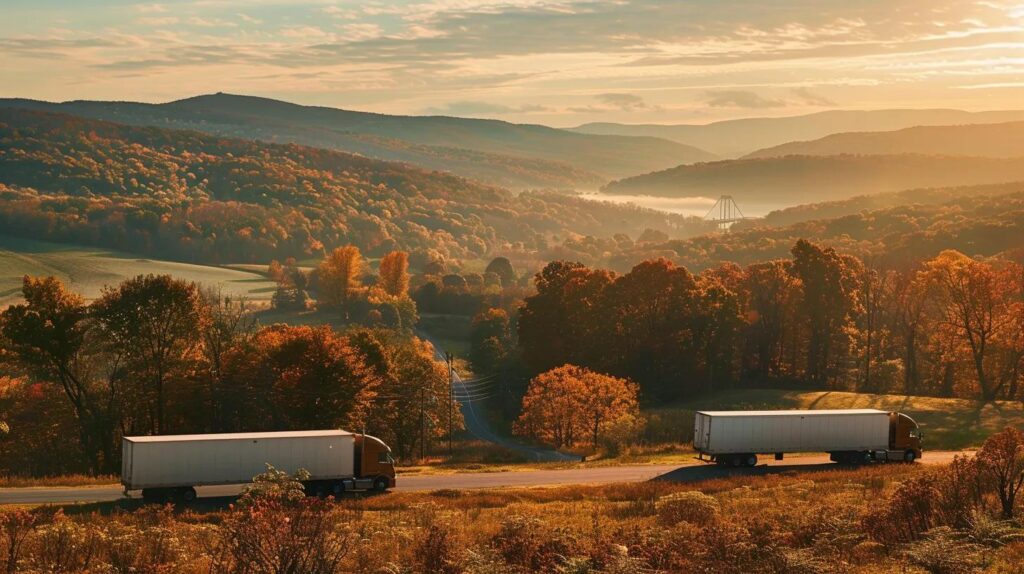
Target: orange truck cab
(374,466)
(904,438)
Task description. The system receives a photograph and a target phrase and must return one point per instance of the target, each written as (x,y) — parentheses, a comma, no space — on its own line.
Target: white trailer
(850,435)
(171,466)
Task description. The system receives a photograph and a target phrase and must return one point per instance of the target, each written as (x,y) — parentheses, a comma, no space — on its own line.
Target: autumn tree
(976,302)
(773,293)
(829,282)
(414,402)
(502,267)
(1001,462)
(570,404)
(340,277)
(287,378)
(49,334)
(394,274)
(490,339)
(158,322)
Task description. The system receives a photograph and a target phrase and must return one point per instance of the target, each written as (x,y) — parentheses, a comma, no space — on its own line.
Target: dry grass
(803,522)
(63,480)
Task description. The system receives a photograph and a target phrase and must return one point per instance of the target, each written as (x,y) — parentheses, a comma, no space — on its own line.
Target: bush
(690,506)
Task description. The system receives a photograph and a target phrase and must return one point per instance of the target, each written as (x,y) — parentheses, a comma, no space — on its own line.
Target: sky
(560,62)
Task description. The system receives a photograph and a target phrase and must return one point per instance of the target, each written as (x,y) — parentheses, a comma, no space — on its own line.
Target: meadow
(86,270)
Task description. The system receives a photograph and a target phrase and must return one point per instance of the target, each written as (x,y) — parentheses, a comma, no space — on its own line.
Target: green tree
(158,321)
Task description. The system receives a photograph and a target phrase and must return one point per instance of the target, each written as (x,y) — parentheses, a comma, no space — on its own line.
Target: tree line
(157,355)
(951,325)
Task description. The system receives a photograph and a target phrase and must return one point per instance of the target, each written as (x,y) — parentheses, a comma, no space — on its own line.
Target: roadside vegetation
(887,518)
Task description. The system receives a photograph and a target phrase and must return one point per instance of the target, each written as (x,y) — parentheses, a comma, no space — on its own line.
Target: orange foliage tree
(571,405)
(287,378)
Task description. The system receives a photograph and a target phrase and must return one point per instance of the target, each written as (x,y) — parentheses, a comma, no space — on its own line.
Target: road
(690,472)
(477,424)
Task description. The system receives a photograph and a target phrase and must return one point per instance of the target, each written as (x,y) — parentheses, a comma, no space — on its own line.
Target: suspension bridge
(725,212)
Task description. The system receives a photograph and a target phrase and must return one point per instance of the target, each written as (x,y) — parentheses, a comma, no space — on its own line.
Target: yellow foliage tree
(394,274)
(340,277)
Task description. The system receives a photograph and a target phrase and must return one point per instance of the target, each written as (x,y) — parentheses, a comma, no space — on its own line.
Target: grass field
(947,424)
(88,269)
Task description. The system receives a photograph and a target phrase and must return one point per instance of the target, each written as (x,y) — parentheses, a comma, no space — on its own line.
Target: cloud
(625,102)
(740,99)
(475,108)
(151,8)
(811,98)
(157,20)
(362,31)
(615,102)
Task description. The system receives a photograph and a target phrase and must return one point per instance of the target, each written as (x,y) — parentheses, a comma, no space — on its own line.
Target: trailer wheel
(188,495)
(909,456)
(866,458)
(736,461)
(381,484)
(338,488)
(751,460)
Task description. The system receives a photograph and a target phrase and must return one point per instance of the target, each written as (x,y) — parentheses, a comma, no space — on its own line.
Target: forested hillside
(807,179)
(494,152)
(975,224)
(196,197)
(875,201)
(982,140)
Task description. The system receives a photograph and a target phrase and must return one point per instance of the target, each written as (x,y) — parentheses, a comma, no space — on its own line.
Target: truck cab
(904,437)
(374,465)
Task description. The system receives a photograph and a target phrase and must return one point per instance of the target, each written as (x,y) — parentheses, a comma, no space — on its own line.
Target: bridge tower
(724,213)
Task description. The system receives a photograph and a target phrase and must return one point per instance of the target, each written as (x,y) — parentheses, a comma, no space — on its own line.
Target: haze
(560,63)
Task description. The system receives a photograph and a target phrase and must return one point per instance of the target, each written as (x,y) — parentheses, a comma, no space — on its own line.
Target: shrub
(943,550)
(690,506)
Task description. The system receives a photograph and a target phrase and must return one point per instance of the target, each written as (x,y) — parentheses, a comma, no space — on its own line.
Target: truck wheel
(380,485)
(909,456)
(751,460)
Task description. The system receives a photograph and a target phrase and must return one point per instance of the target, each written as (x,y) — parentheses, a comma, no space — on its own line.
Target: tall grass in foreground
(826,521)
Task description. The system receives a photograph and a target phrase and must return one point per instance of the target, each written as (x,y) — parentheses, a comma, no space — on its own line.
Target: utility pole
(423,421)
(451,397)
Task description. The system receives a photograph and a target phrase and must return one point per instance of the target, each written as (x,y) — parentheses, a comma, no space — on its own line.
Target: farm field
(87,270)
(947,424)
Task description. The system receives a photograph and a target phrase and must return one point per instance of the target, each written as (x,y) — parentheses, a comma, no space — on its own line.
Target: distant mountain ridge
(735,138)
(982,140)
(490,151)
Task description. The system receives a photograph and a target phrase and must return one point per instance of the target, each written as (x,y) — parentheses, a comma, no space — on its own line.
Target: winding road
(690,472)
(478,426)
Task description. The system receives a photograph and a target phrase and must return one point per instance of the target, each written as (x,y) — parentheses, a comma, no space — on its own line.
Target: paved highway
(475,480)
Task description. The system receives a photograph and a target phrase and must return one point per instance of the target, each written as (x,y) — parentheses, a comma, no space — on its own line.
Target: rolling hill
(735,138)
(194,197)
(88,269)
(490,151)
(982,140)
(794,180)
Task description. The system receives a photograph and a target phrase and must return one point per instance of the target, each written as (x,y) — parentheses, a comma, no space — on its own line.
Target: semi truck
(850,436)
(170,467)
